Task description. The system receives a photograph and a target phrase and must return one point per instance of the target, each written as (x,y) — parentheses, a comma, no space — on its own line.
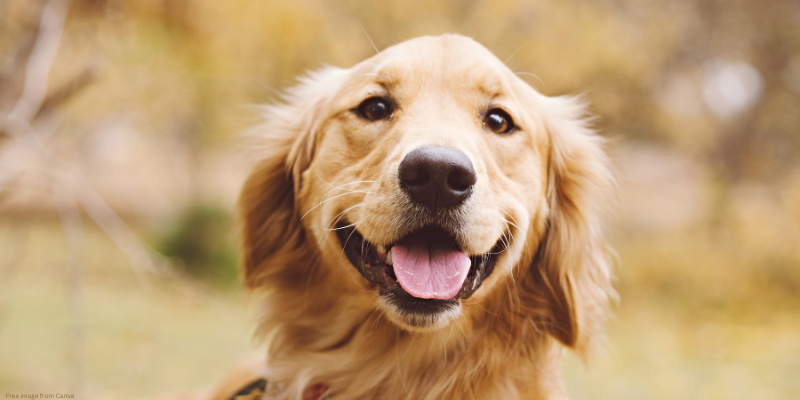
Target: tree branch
(38,69)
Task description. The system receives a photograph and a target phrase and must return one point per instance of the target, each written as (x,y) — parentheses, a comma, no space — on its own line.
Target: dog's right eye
(498,121)
(375,108)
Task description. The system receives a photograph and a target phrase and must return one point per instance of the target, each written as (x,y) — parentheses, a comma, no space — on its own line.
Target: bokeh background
(120,164)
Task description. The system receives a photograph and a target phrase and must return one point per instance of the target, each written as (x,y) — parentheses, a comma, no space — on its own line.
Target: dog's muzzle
(430,294)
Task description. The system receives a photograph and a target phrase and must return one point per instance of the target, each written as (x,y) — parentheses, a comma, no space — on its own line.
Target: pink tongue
(429,269)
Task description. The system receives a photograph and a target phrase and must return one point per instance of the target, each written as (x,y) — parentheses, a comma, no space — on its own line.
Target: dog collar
(255,391)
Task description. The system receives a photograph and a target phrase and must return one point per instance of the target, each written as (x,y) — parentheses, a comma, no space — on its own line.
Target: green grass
(138,342)
(202,241)
(656,353)
(700,317)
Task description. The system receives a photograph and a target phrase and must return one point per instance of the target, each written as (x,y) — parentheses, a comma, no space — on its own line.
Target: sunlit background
(120,164)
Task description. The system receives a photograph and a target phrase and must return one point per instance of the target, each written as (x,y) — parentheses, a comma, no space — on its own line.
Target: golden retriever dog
(424,225)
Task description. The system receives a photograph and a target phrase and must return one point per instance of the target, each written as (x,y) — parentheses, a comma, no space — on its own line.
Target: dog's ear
(569,282)
(271,230)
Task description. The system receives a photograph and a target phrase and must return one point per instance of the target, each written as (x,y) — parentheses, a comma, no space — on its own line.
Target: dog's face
(429,170)
(427,179)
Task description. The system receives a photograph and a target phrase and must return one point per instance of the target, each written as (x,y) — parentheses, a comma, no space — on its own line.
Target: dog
(424,225)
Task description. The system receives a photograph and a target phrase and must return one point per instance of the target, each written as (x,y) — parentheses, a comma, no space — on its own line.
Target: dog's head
(423,181)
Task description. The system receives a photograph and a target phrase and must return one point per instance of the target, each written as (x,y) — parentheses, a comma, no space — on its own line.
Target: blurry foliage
(652,71)
(189,66)
(714,277)
(711,239)
(187,70)
(202,241)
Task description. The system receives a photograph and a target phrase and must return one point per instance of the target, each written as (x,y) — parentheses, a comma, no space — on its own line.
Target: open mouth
(425,272)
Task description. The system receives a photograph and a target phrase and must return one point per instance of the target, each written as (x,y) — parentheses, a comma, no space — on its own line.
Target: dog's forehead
(447,60)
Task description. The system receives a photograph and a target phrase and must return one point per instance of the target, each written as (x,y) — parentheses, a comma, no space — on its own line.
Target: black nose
(437,177)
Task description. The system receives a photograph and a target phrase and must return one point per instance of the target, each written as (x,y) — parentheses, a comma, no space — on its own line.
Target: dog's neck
(359,354)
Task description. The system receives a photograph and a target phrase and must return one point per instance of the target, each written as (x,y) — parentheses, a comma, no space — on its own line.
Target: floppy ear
(569,283)
(271,231)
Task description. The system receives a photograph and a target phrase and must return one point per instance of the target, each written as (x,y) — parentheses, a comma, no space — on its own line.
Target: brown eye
(375,108)
(498,121)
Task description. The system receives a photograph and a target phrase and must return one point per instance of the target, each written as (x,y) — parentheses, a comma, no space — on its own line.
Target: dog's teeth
(389,257)
(381,249)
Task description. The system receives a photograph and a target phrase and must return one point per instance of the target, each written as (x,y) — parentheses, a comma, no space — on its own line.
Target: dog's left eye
(498,121)
(375,108)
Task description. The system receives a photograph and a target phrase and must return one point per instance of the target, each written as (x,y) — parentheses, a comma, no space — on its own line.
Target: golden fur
(540,190)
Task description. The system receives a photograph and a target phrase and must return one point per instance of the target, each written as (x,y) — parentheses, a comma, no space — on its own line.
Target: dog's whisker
(370,40)
(344,245)
(340,215)
(516,51)
(345,227)
(369,318)
(337,218)
(461,326)
(533,75)
(344,184)
(507,243)
(512,265)
(363,242)
(512,217)
(503,242)
(375,227)
(507,234)
(339,187)
(332,198)
(363,245)
(333,222)
(347,191)
(372,231)
(449,335)
(510,233)
(526,248)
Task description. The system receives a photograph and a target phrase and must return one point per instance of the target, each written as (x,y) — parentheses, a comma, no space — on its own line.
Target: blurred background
(120,164)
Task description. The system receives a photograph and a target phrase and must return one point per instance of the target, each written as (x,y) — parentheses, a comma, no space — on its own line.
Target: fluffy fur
(540,190)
